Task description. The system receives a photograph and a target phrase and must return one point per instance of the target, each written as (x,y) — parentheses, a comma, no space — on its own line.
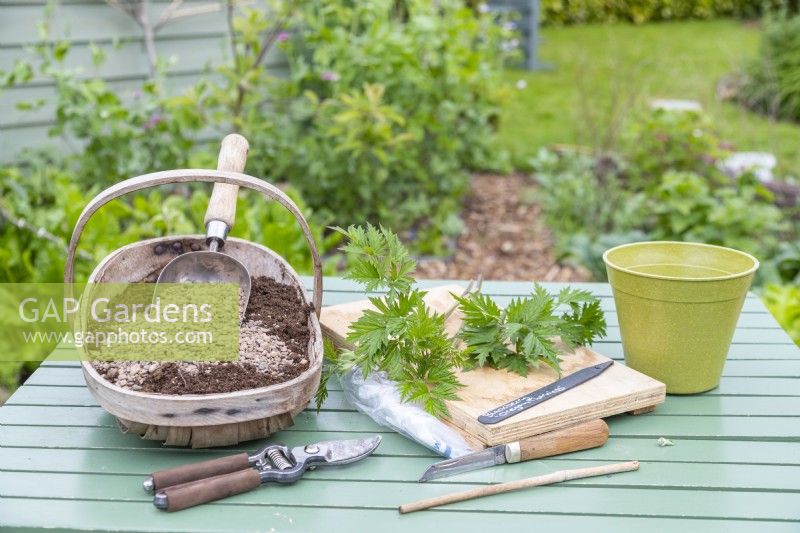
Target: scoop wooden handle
(546,479)
(232,158)
(204,469)
(571,439)
(206,490)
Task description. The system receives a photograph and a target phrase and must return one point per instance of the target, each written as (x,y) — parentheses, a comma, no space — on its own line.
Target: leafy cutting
(523,335)
(405,339)
(400,336)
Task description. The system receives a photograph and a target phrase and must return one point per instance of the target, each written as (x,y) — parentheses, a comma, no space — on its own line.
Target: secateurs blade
(190,485)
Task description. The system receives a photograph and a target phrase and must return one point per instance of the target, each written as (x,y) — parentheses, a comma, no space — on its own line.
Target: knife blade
(496,455)
(578,437)
(514,407)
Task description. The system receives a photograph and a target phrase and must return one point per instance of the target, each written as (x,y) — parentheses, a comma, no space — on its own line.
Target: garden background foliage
(665,185)
(387,107)
(557,12)
(770,84)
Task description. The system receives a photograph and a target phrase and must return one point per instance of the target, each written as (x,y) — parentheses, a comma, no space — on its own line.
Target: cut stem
(537,481)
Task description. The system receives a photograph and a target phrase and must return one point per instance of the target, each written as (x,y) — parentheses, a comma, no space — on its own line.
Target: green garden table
(734,466)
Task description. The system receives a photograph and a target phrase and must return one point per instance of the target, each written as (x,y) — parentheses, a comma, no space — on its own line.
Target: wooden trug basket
(203,420)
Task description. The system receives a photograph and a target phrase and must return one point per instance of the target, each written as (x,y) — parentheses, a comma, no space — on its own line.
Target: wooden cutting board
(617,390)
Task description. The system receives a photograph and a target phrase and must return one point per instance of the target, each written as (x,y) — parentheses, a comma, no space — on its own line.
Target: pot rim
(745,273)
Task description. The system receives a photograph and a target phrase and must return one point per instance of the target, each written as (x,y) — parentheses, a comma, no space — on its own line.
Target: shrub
(586,205)
(48,200)
(121,135)
(386,109)
(583,195)
(560,12)
(771,83)
(660,141)
(784,266)
(741,216)
(783,301)
(590,207)
(387,106)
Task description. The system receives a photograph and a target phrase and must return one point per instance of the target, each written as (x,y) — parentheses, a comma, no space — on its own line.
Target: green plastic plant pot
(678,304)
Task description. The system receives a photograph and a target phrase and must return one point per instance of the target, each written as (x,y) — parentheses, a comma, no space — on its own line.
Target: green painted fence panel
(195,43)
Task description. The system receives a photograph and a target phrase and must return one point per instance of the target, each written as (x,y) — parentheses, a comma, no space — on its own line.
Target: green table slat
(777,368)
(221,518)
(675,405)
(734,466)
(561,499)
(645,449)
(745,427)
(383,468)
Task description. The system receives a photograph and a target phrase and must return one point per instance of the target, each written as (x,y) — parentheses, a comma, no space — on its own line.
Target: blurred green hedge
(563,12)
(771,82)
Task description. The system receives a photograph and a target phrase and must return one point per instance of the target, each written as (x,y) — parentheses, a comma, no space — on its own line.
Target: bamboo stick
(537,481)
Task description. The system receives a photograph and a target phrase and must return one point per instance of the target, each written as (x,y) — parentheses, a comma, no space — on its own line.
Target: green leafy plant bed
(384,111)
(666,186)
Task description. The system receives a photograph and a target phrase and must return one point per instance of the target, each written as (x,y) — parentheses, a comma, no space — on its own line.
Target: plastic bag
(378,398)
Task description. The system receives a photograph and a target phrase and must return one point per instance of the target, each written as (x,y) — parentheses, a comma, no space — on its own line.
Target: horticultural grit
(272,346)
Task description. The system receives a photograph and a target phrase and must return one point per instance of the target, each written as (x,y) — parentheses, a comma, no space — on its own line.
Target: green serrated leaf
(400,335)
(522,336)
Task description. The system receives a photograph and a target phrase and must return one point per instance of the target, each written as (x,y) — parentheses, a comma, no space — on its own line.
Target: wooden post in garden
(527,21)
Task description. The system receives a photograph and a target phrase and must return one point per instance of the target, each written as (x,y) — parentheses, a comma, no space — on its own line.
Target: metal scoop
(213,266)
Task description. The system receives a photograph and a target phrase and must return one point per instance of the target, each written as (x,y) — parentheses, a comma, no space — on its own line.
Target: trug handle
(206,490)
(188,176)
(192,472)
(232,158)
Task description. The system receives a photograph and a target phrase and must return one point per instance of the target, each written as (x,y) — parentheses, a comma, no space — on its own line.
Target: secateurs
(190,485)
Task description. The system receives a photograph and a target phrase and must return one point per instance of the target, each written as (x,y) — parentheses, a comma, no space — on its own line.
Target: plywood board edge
(568,417)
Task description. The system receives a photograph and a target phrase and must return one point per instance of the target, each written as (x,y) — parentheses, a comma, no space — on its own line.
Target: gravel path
(504,237)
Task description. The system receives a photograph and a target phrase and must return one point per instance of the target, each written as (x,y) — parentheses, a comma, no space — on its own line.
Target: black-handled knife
(514,407)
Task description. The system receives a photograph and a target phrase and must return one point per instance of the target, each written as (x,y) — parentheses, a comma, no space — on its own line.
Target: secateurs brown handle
(191,472)
(187,495)
(272,456)
(219,478)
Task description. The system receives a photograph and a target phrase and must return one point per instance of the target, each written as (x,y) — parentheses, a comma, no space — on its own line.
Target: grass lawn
(602,72)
